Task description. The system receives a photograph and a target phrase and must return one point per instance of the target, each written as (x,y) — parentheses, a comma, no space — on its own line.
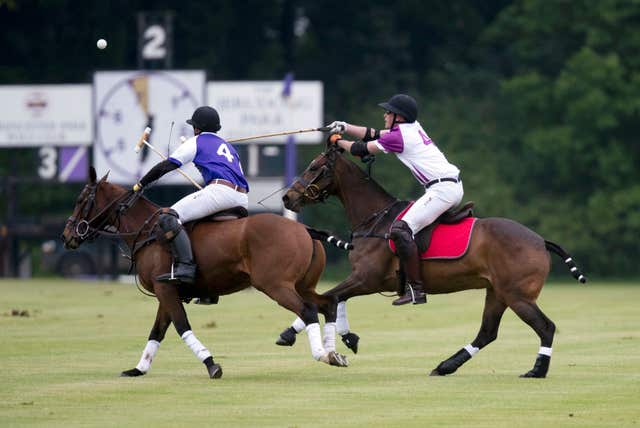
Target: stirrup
(174,277)
(417,297)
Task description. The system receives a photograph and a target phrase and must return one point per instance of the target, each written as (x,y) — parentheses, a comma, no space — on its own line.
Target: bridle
(100,224)
(311,190)
(313,193)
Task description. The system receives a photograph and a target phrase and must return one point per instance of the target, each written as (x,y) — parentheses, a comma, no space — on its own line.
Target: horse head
(316,183)
(93,210)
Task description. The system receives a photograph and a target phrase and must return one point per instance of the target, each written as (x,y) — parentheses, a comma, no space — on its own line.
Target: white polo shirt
(417,151)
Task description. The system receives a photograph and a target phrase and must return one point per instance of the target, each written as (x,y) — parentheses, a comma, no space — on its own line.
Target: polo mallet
(277,134)
(143,142)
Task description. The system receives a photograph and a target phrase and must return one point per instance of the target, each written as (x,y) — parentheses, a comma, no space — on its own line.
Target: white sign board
(45,115)
(256,108)
(128,101)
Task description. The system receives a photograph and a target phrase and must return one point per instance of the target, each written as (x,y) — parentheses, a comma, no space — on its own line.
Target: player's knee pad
(169,224)
(401,235)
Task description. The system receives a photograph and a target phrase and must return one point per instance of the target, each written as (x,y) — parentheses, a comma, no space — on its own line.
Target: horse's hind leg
(493,311)
(531,314)
(155,337)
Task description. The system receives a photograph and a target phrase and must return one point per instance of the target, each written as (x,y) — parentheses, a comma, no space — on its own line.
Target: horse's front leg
(168,296)
(155,337)
(342,292)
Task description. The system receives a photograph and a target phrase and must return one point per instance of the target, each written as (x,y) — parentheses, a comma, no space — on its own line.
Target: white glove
(337,127)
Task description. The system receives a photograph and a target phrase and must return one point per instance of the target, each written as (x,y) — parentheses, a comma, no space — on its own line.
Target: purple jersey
(214,158)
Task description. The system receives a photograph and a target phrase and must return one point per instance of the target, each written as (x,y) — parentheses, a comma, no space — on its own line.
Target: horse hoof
(532,374)
(132,373)
(337,360)
(436,372)
(287,337)
(215,371)
(351,340)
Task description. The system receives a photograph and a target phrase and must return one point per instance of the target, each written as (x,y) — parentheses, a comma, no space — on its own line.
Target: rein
(88,230)
(313,193)
(311,190)
(378,216)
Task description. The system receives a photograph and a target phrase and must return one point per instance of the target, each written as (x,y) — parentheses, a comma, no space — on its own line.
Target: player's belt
(440,180)
(228,184)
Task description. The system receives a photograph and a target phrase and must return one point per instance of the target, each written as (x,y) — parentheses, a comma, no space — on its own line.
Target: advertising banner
(45,115)
(249,108)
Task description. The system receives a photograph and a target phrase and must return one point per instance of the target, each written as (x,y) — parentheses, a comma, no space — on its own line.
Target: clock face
(128,102)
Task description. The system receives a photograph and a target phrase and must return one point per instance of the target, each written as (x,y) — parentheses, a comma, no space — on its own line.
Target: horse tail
(557,249)
(323,235)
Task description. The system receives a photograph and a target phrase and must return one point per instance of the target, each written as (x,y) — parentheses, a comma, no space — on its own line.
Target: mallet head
(143,139)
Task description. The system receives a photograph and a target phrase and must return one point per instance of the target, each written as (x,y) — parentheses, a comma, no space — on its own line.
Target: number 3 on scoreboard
(48,162)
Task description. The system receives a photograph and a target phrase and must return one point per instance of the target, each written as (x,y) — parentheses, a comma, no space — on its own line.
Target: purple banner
(73,164)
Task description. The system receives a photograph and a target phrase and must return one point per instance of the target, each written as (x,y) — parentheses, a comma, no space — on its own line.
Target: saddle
(230,214)
(452,216)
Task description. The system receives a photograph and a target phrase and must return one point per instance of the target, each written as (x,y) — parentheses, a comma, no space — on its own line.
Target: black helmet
(206,119)
(402,104)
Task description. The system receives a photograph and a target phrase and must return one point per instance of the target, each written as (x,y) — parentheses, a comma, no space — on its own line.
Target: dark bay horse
(271,253)
(504,257)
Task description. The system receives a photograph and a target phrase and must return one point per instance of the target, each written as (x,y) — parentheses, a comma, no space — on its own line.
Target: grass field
(60,365)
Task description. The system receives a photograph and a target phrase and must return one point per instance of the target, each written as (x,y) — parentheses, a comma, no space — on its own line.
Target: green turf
(60,365)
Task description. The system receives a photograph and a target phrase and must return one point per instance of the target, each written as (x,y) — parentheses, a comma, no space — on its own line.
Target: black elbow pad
(368,137)
(359,148)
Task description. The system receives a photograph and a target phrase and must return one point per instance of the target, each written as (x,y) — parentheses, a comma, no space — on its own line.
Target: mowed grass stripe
(60,365)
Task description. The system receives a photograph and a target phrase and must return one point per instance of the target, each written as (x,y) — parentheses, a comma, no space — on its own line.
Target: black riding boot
(410,261)
(183,269)
(414,291)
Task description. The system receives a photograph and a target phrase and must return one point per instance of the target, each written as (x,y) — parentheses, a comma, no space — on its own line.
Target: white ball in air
(102,43)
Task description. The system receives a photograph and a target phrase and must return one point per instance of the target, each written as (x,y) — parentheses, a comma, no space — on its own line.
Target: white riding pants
(210,200)
(437,199)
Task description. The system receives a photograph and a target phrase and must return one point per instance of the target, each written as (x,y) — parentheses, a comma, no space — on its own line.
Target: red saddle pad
(448,241)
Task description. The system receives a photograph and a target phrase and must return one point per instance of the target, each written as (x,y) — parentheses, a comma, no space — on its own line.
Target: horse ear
(103,179)
(92,175)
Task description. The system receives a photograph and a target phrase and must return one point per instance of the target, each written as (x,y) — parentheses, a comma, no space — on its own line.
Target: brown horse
(504,257)
(271,253)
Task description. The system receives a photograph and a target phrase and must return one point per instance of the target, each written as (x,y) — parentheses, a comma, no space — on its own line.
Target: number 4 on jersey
(223,150)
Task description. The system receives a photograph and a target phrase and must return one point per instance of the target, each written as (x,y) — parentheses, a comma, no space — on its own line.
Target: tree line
(536,101)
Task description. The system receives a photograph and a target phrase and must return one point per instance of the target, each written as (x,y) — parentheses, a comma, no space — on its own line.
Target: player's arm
(356,148)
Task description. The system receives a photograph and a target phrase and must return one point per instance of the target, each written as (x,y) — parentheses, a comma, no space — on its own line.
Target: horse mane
(115,190)
(355,170)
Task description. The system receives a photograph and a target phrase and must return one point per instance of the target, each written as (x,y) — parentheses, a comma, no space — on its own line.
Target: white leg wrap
(298,325)
(315,341)
(147,355)
(472,350)
(545,351)
(329,337)
(342,323)
(198,348)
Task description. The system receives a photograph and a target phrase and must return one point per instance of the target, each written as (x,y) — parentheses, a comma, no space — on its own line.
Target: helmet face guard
(402,105)
(206,119)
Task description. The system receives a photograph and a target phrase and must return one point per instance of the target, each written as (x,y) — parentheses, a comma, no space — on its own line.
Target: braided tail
(557,249)
(322,235)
